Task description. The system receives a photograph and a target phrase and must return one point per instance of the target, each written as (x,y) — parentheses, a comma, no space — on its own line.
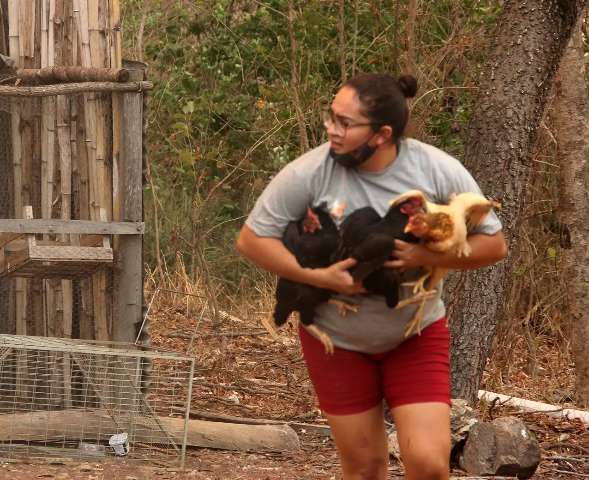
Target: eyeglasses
(341,125)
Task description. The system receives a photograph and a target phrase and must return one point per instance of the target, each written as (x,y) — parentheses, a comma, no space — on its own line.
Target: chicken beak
(408,228)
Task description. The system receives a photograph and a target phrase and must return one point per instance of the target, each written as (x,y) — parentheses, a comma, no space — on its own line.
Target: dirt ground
(243,372)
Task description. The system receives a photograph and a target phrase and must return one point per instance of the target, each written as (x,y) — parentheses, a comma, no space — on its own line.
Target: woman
(367,161)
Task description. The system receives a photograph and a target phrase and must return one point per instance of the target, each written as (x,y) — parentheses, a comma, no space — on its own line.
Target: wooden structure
(70,173)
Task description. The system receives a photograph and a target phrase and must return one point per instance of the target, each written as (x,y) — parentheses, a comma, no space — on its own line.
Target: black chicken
(369,238)
(313,241)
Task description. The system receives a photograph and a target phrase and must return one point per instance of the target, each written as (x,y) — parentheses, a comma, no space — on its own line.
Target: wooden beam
(81,227)
(72,88)
(129,257)
(63,74)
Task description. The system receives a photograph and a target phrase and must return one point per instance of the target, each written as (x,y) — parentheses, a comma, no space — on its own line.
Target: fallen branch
(324,430)
(244,333)
(89,425)
(532,406)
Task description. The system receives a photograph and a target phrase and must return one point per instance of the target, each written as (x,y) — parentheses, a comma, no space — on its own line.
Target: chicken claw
(415,324)
(419,284)
(268,324)
(419,297)
(323,338)
(342,307)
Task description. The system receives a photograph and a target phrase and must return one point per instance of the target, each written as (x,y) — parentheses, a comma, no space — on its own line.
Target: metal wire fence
(63,397)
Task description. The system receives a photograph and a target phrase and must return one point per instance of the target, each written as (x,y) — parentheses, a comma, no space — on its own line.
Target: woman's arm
(270,254)
(486,250)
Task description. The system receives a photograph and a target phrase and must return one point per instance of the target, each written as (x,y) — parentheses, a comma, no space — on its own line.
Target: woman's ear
(385,134)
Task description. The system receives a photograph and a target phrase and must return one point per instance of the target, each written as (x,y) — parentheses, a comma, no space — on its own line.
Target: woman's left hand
(408,256)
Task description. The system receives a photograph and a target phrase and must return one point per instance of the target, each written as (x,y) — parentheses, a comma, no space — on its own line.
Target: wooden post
(129,263)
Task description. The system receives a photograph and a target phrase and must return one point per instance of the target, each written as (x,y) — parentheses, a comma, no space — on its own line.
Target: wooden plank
(6,238)
(101,330)
(129,256)
(26,20)
(60,226)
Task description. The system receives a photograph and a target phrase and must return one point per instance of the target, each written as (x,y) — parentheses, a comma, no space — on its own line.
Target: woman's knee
(368,468)
(427,466)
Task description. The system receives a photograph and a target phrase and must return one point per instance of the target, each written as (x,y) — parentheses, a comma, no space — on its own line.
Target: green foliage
(222,116)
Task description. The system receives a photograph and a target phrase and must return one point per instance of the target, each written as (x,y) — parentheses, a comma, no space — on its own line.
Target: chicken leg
(343,307)
(323,338)
(420,295)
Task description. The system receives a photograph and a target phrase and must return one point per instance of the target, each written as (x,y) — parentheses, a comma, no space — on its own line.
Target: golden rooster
(441,228)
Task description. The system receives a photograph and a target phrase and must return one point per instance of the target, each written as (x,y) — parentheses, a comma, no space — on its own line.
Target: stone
(505,446)
(462,418)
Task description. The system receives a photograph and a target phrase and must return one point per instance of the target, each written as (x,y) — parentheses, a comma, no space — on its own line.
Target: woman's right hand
(337,278)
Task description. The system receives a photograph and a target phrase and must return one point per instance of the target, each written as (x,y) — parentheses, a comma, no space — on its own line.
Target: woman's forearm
(270,254)
(485,250)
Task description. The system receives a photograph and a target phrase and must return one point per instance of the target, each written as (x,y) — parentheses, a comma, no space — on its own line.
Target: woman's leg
(348,386)
(417,388)
(423,431)
(361,442)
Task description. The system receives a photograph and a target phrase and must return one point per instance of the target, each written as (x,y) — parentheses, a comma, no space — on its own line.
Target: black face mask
(354,158)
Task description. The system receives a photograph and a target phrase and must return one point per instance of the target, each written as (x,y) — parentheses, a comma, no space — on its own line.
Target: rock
(504,447)
(462,418)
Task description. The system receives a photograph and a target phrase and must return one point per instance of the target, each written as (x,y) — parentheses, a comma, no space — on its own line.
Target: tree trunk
(530,39)
(571,119)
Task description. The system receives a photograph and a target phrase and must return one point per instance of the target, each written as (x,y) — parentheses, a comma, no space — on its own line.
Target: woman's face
(347,128)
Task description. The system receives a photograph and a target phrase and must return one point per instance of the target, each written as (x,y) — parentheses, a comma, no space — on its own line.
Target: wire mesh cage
(63,397)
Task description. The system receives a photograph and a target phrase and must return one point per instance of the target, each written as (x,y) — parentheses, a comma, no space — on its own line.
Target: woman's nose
(331,129)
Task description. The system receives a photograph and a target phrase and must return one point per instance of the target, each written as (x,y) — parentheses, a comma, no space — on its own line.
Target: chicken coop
(71,162)
(72,117)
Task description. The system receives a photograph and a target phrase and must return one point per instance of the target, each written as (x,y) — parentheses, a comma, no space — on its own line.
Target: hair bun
(408,85)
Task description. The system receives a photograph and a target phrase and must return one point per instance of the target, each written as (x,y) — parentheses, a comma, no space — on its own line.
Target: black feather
(312,250)
(369,238)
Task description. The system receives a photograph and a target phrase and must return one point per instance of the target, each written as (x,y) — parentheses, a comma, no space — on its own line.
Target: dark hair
(384,99)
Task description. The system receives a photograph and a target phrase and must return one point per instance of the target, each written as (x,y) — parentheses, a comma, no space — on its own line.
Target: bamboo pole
(27,22)
(101,330)
(116,44)
(65,168)
(14,45)
(81,185)
(88,25)
(116,62)
(51,288)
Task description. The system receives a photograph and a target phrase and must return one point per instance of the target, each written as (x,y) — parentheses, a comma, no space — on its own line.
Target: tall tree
(529,42)
(571,119)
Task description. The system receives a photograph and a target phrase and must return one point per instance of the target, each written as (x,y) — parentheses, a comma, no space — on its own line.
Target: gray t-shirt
(314,178)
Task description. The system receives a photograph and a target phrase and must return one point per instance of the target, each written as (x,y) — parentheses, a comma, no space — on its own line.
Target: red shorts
(350,382)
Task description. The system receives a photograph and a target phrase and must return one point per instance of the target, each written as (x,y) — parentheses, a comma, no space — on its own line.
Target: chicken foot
(342,307)
(421,294)
(322,337)
(414,324)
(269,325)
(416,298)
(419,284)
